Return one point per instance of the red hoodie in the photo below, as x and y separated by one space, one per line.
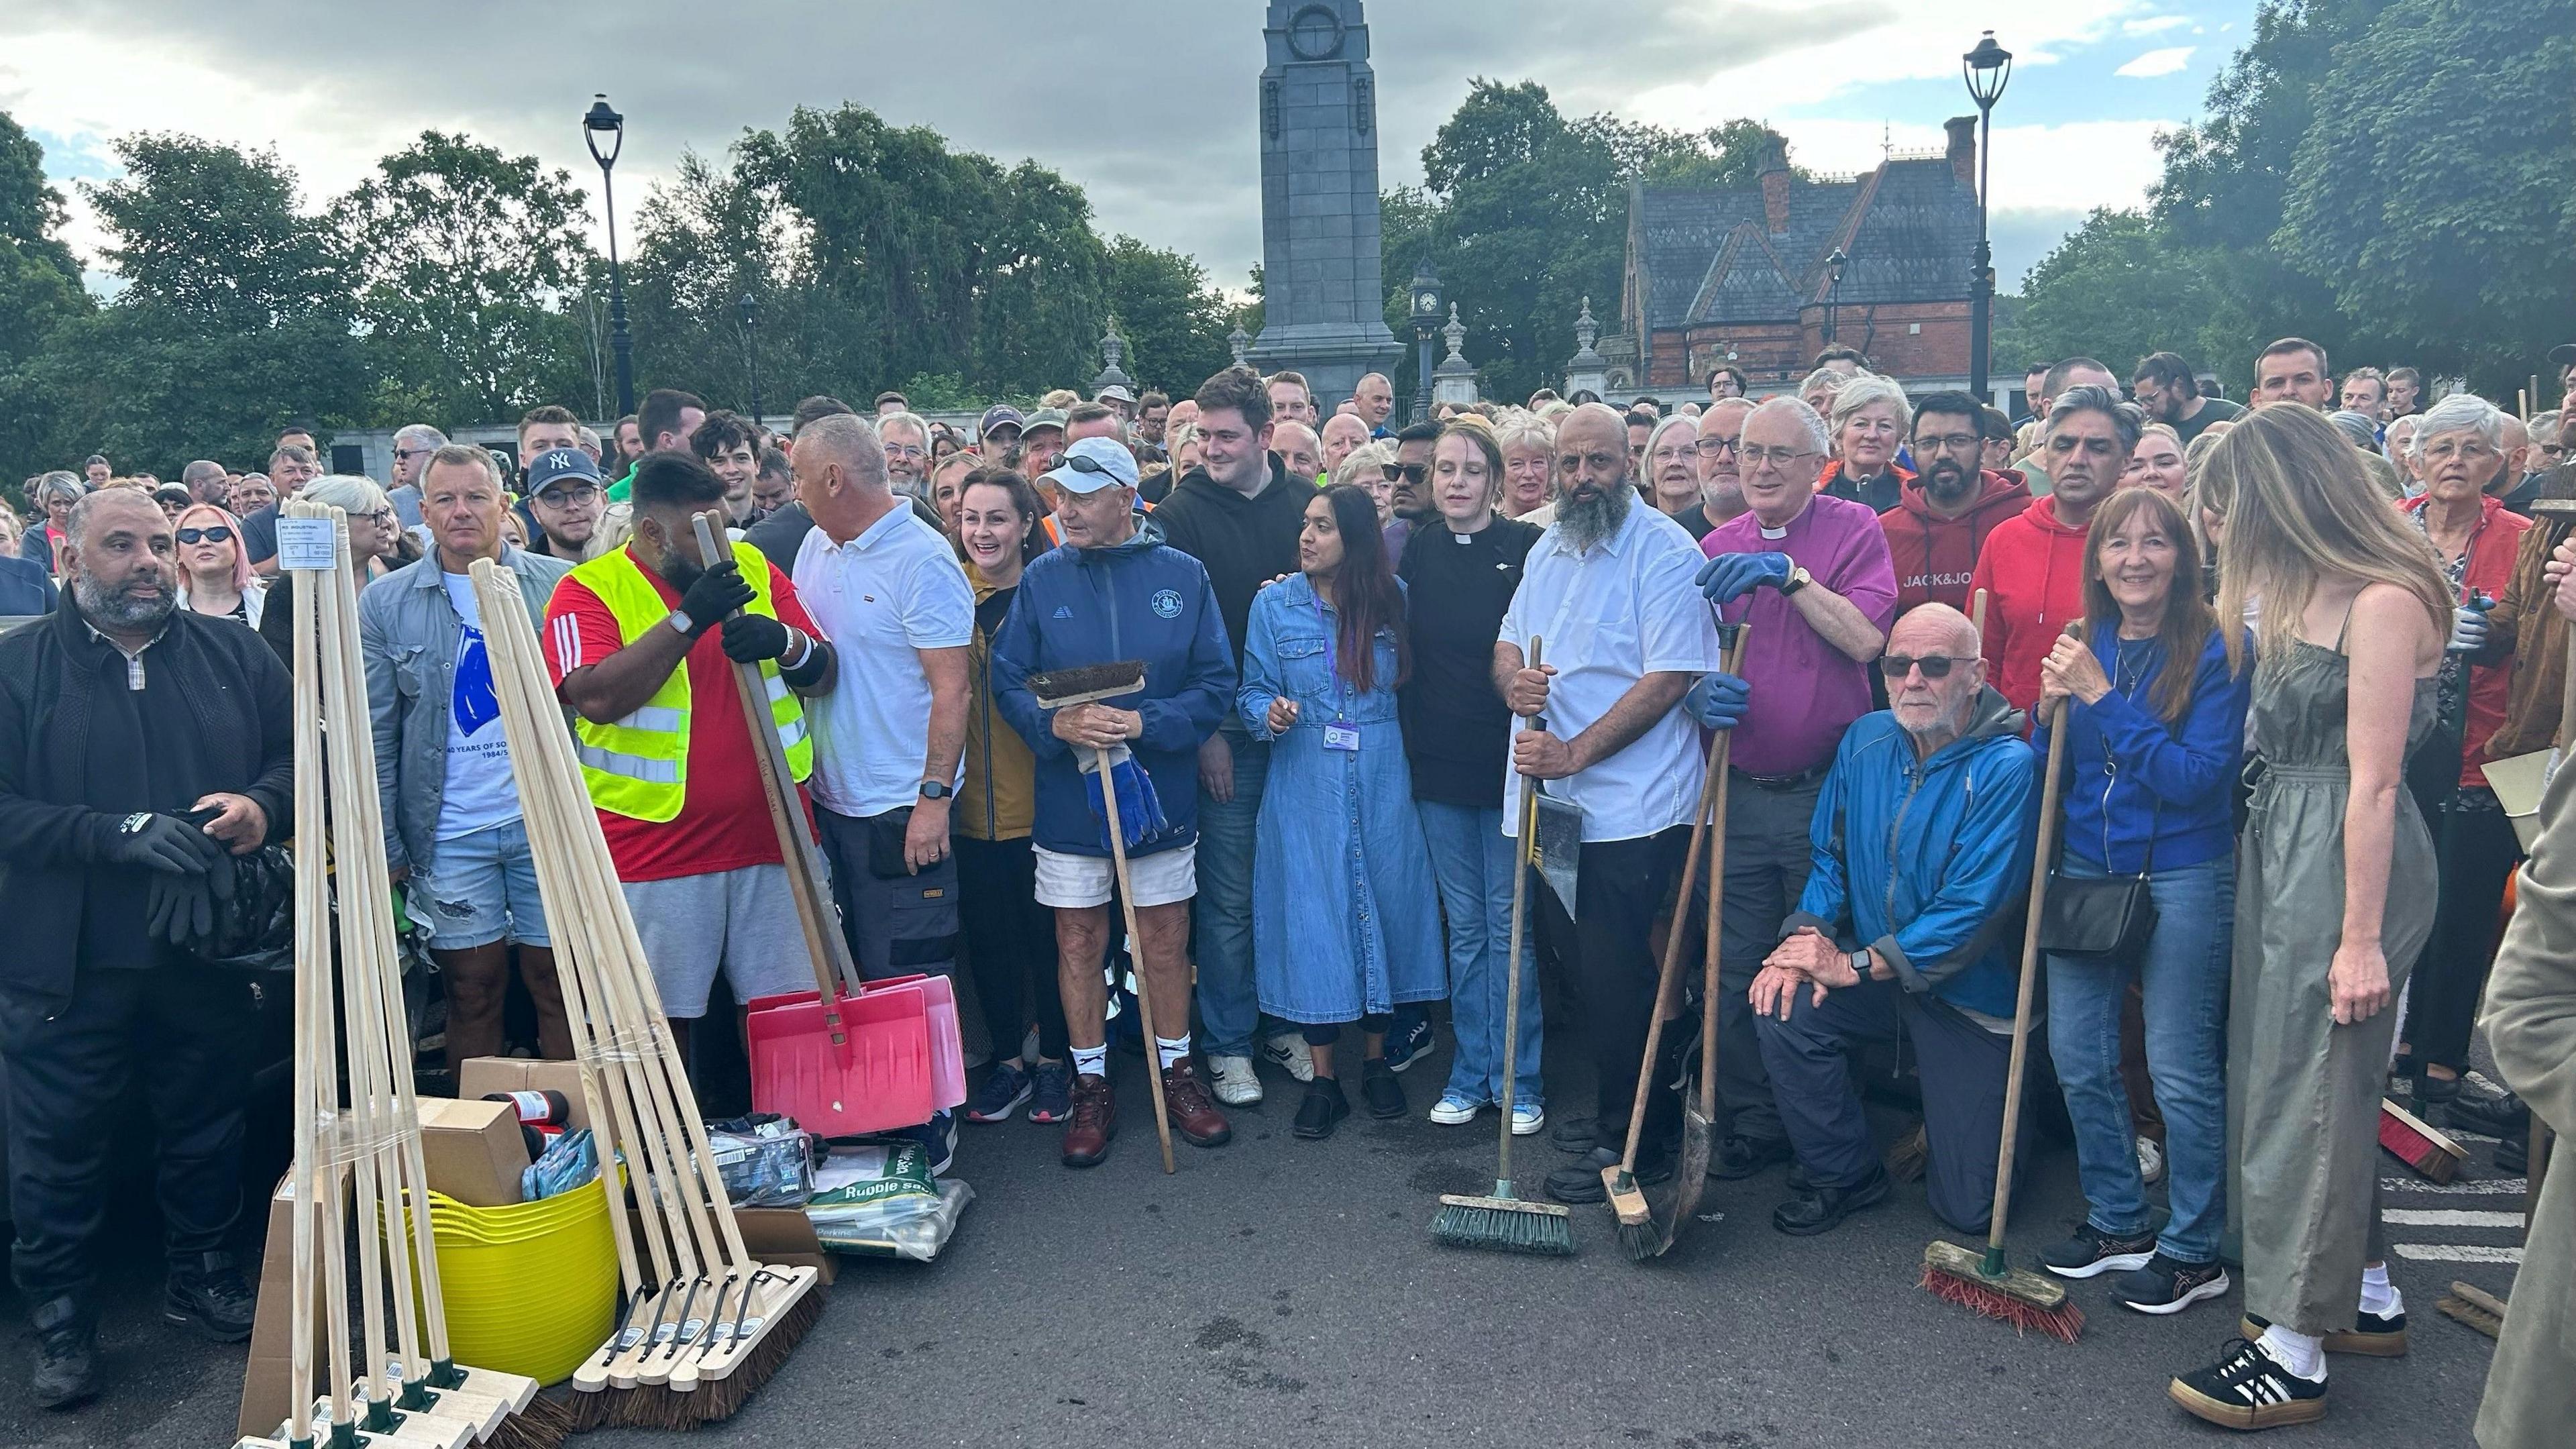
2032 569
1935 555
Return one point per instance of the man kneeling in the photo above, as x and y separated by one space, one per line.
1922 846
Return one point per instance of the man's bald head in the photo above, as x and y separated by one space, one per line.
1929 629
1593 422
1298 448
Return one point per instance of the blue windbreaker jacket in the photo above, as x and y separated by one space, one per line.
1925 863
2130 775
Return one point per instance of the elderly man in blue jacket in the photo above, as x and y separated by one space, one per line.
1922 847
1115 591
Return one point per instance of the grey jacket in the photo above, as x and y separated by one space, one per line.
408 634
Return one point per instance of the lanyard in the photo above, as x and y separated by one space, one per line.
1341 687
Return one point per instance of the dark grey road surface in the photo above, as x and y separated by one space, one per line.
1279 1292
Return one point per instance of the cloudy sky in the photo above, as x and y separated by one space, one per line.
1148 104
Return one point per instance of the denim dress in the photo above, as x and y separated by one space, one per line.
1345 922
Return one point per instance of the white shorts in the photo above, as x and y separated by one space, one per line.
1075 881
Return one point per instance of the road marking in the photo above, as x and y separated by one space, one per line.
2493 1186
2455 1253
2449 1218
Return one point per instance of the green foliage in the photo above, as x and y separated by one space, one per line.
1174 321
40 290
2116 289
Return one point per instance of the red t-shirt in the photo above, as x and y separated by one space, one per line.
723 822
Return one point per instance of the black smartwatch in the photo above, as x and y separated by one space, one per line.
935 790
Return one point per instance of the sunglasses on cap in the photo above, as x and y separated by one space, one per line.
216 534
1081 464
1409 472
1935 666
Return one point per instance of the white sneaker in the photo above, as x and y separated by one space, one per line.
1235 1084
1453 1110
1289 1054
2151 1160
1527 1119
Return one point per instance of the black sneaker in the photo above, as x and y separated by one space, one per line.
1408 1045
1004 1089
1741 1157
2090 1252
210 1296
1322 1110
2169 1285
938 1137
2249 1389
2373 1335
1822 1209
66 1355
1051 1100
1379 1088
1581 1183
2513 1155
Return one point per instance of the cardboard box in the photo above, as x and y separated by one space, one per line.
473 1150
272 1336
478 1076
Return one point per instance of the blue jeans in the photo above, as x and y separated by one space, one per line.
2184 978
1471 862
1229 1007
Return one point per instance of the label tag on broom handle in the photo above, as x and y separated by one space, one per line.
307 543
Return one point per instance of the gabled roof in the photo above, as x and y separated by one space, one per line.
1908 233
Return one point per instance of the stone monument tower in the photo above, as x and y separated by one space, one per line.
1324 301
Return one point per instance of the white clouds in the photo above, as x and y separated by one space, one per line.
2158 62
2154 24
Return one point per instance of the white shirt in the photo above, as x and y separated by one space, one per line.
895 589
1606 619
481 792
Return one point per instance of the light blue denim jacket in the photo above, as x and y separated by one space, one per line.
408 634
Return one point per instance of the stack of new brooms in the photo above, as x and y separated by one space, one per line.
711 1323
361 1158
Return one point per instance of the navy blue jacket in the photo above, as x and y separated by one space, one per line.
2130 774
1138 600
25 587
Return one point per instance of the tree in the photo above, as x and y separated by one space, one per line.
40 290
466 258
2116 289
1174 321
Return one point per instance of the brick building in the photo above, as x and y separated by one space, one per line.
1745 275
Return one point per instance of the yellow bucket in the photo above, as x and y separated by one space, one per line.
531 1288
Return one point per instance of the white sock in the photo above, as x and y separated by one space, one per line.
2300 1353
2378 1296
1171 1051
1091 1061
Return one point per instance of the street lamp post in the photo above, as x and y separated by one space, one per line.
598 122
1986 68
1426 320
751 347
1834 294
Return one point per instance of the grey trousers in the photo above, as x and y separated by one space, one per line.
1767 859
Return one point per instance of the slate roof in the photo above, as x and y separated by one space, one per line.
1908 233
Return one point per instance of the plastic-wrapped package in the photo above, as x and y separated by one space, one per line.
570 1161
880 1200
766 1160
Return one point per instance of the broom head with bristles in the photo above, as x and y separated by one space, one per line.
1064 688
1638 1235
2024 1299
1504 1224
713 1399
2474 1306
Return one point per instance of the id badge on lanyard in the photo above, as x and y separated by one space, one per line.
1339 734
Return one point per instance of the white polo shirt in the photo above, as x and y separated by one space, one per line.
1606 619
894 589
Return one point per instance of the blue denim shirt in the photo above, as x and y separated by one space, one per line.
408 634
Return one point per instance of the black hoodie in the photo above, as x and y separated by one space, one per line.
1242 542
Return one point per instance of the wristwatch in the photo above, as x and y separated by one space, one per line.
1799 578
935 790
679 619
1860 964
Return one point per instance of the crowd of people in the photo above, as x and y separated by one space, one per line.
2274 646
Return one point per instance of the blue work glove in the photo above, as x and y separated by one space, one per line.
1717 700
1140 809
2469 625
1730 576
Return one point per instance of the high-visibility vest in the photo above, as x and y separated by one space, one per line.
639 766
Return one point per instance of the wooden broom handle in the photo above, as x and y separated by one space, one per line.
1711 783
2039 864
1144 986
1718 766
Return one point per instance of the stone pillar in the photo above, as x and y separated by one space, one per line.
1454 380
1585 371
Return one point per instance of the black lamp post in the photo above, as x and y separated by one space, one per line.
1426 320
597 123
751 347
1834 293
1987 68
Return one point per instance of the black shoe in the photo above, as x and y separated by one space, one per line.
211 1297
1581 1183
2373 1335
2513 1154
2091 1252
2249 1389
2434 1093
1572 1134
1379 1088
66 1355
1741 1157
1322 1109
1822 1209
2504 1118
2169 1285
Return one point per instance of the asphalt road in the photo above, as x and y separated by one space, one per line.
1278 1292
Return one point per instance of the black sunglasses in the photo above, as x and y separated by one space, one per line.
216 534
1081 464
1935 666
1409 472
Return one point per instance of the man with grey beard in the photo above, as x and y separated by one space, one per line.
1607 592
142 746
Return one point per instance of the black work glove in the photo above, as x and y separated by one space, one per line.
712 595
178 909
161 843
750 638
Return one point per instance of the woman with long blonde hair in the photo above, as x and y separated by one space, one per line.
2347 649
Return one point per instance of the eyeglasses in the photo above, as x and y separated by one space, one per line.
1412 473
1712 447
409 453
2465 449
567 497
904 450
381 518
1934 666
1776 457
1949 443
1081 464
216 534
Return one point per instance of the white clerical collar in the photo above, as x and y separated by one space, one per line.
1773 532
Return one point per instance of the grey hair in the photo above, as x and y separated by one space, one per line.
355 496
419 435
2391 446
1867 389
1829 381
852 441
1359 461
1523 429
919 424
1677 420
2128 420
466 455
59 483
2544 428
1819 440
2461 410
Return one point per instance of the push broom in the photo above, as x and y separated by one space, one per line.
1699 1119
1988 1284
1504 1221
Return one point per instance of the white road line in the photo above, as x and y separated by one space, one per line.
2456 1253
2484 1187
2449 1218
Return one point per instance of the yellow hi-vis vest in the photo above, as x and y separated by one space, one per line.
639 766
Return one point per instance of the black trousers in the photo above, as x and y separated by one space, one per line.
69 1063
1010 945
1767 861
897 924
2474 849
1611 969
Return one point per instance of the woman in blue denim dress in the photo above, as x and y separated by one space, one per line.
1345 924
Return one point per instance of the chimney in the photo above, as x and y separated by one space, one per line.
1774 174
1963 149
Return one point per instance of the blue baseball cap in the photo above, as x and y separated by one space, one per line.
556 464
1092 464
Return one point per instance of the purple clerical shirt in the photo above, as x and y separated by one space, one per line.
1806 692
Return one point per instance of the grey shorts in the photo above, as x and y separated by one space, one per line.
742 921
